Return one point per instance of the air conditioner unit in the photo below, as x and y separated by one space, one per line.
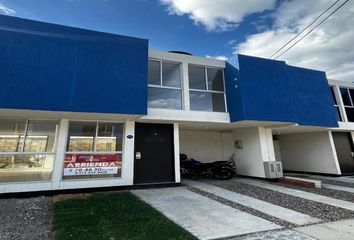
273 169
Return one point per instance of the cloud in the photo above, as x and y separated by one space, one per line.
6 10
220 57
221 15
328 48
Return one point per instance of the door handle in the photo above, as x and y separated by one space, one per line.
138 155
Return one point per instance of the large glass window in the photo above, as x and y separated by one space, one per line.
197 77
27 149
215 79
206 89
154 72
339 116
94 150
348 97
165 88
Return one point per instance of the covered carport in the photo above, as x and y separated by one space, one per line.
249 143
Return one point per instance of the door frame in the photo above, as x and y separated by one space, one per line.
351 143
176 151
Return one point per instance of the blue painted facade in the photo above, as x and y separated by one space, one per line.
233 93
269 90
57 68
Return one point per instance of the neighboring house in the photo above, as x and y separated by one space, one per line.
85 109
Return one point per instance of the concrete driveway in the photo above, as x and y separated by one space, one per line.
203 217
212 210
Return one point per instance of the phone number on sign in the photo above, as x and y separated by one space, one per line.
89 171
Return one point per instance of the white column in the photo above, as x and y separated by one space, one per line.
249 152
255 146
334 152
60 153
176 152
128 153
185 86
266 141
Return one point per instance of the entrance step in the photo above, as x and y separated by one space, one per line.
270 209
202 216
303 182
302 194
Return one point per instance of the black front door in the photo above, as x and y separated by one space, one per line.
154 153
344 148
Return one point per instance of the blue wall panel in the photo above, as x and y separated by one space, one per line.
312 97
273 91
51 67
233 93
265 90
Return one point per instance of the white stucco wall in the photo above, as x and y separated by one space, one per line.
309 152
206 146
256 149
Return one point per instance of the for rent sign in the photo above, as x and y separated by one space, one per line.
88 164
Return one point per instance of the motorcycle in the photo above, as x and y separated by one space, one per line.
222 170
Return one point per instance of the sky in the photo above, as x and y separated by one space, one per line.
213 28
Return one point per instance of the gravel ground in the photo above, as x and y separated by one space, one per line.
312 208
243 208
27 218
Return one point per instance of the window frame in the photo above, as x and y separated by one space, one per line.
350 99
94 151
100 178
161 86
336 103
27 121
46 155
207 85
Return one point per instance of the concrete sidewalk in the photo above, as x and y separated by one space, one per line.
203 217
338 188
343 230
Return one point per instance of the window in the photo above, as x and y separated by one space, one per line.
339 116
197 77
165 88
348 97
206 89
94 150
27 149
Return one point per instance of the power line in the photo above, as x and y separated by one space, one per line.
305 28
312 29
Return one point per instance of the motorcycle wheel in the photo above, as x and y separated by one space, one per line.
223 174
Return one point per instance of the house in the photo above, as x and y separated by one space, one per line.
86 109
